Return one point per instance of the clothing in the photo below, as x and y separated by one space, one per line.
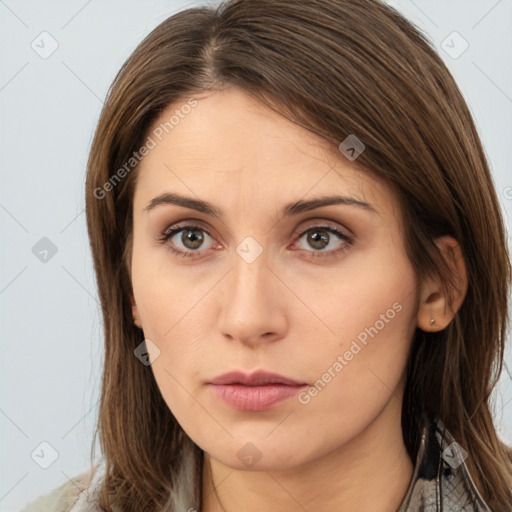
440 482
72 496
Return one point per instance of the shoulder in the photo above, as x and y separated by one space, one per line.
62 498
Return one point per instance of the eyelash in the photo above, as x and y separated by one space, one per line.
349 240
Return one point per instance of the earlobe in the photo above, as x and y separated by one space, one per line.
135 313
435 309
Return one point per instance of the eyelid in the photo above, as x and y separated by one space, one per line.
322 223
186 223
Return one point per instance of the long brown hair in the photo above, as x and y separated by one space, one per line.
335 67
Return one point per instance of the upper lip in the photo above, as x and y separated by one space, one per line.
258 378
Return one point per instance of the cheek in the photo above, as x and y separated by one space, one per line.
369 312
166 294
174 305
369 296
168 307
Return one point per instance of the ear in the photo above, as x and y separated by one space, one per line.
435 311
135 312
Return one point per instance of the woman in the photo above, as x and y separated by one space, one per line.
302 267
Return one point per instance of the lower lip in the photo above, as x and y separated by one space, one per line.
254 398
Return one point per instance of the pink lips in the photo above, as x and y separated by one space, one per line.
255 392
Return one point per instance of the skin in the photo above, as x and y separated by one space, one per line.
287 311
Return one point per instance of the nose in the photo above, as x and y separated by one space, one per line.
253 308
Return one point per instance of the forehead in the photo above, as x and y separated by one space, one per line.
229 145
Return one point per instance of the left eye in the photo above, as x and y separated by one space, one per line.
320 237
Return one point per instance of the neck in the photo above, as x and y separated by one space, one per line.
371 472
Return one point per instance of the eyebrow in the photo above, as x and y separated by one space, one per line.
288 210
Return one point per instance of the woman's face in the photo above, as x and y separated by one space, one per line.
322 295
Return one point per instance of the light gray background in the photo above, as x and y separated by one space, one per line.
51 328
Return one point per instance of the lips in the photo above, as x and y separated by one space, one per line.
258 391
259 378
